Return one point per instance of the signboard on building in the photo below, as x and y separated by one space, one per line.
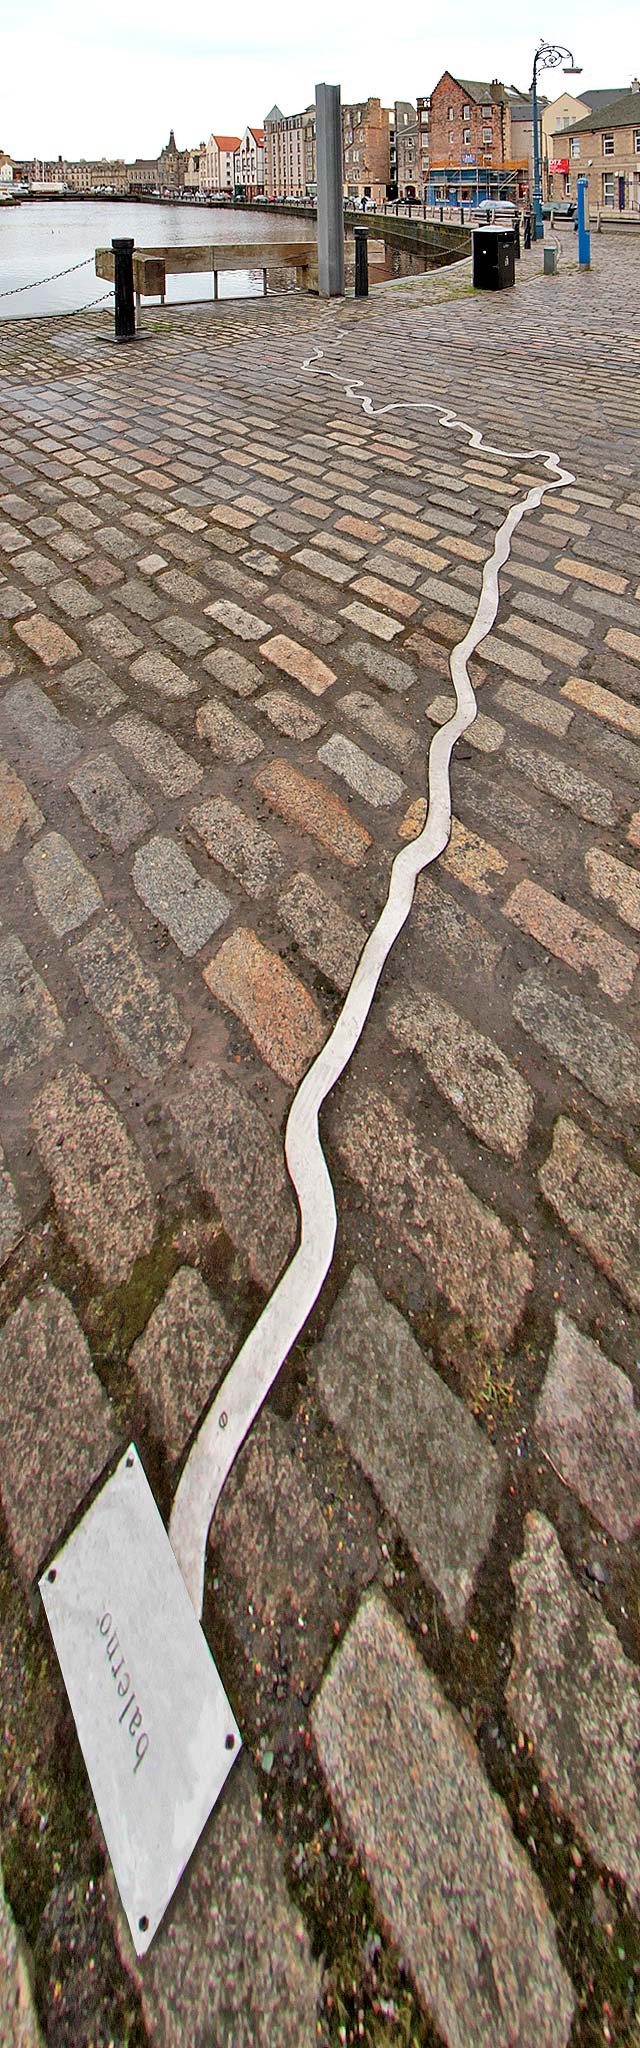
466 159
559 163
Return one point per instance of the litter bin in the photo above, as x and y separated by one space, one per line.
494 258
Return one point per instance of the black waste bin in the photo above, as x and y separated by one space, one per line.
494 258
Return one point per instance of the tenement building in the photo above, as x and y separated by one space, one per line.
366 141
604 148
290 153
470 144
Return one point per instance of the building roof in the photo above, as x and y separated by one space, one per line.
258 135
603 97
226 141
619 113
275 115
478 89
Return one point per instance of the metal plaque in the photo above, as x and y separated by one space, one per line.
155 1726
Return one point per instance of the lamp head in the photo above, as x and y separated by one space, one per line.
572 70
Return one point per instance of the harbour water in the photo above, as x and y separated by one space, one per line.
41 238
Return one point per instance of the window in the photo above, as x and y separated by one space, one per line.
451 135
356 156
487 113
607 145
451 113
348 135
486 159
466 113
608 189
574 146
636 141
361 134
347 155
358 116
487 135
467 136
567 188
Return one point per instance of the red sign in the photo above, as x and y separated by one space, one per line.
559 163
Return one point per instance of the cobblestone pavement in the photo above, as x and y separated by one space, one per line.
227 602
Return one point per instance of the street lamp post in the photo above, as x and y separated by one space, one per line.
547 56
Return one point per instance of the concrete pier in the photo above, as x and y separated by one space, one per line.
329 175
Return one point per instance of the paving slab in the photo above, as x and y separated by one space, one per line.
43 728
144 1020
466 1251
108 799
11 1225
429 1462
232 1964
18 2019
576 1696
238 1160
65 892
471 1071
451 1883
57 1429
325 933
244 848
30 1023
270 1001
587 1421
180 1358
601 1056
177 895
100 1187
18 810
597 1198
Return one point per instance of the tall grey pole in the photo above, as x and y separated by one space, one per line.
329 182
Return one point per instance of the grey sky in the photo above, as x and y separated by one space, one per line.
113 80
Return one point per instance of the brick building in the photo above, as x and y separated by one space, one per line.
366 146
471 154
404 165
605 149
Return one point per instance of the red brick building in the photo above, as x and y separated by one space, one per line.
468 126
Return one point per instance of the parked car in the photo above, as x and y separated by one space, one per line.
562 209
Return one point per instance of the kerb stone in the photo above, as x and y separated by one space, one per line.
451 1883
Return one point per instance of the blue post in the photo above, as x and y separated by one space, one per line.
584 237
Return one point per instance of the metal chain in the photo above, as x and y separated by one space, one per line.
46 280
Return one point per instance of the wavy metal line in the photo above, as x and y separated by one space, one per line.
257 1364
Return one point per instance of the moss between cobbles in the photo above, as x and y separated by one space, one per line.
53 1867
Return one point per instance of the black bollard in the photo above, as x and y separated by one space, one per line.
442 213
125 306
362 264
527 231
516 235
